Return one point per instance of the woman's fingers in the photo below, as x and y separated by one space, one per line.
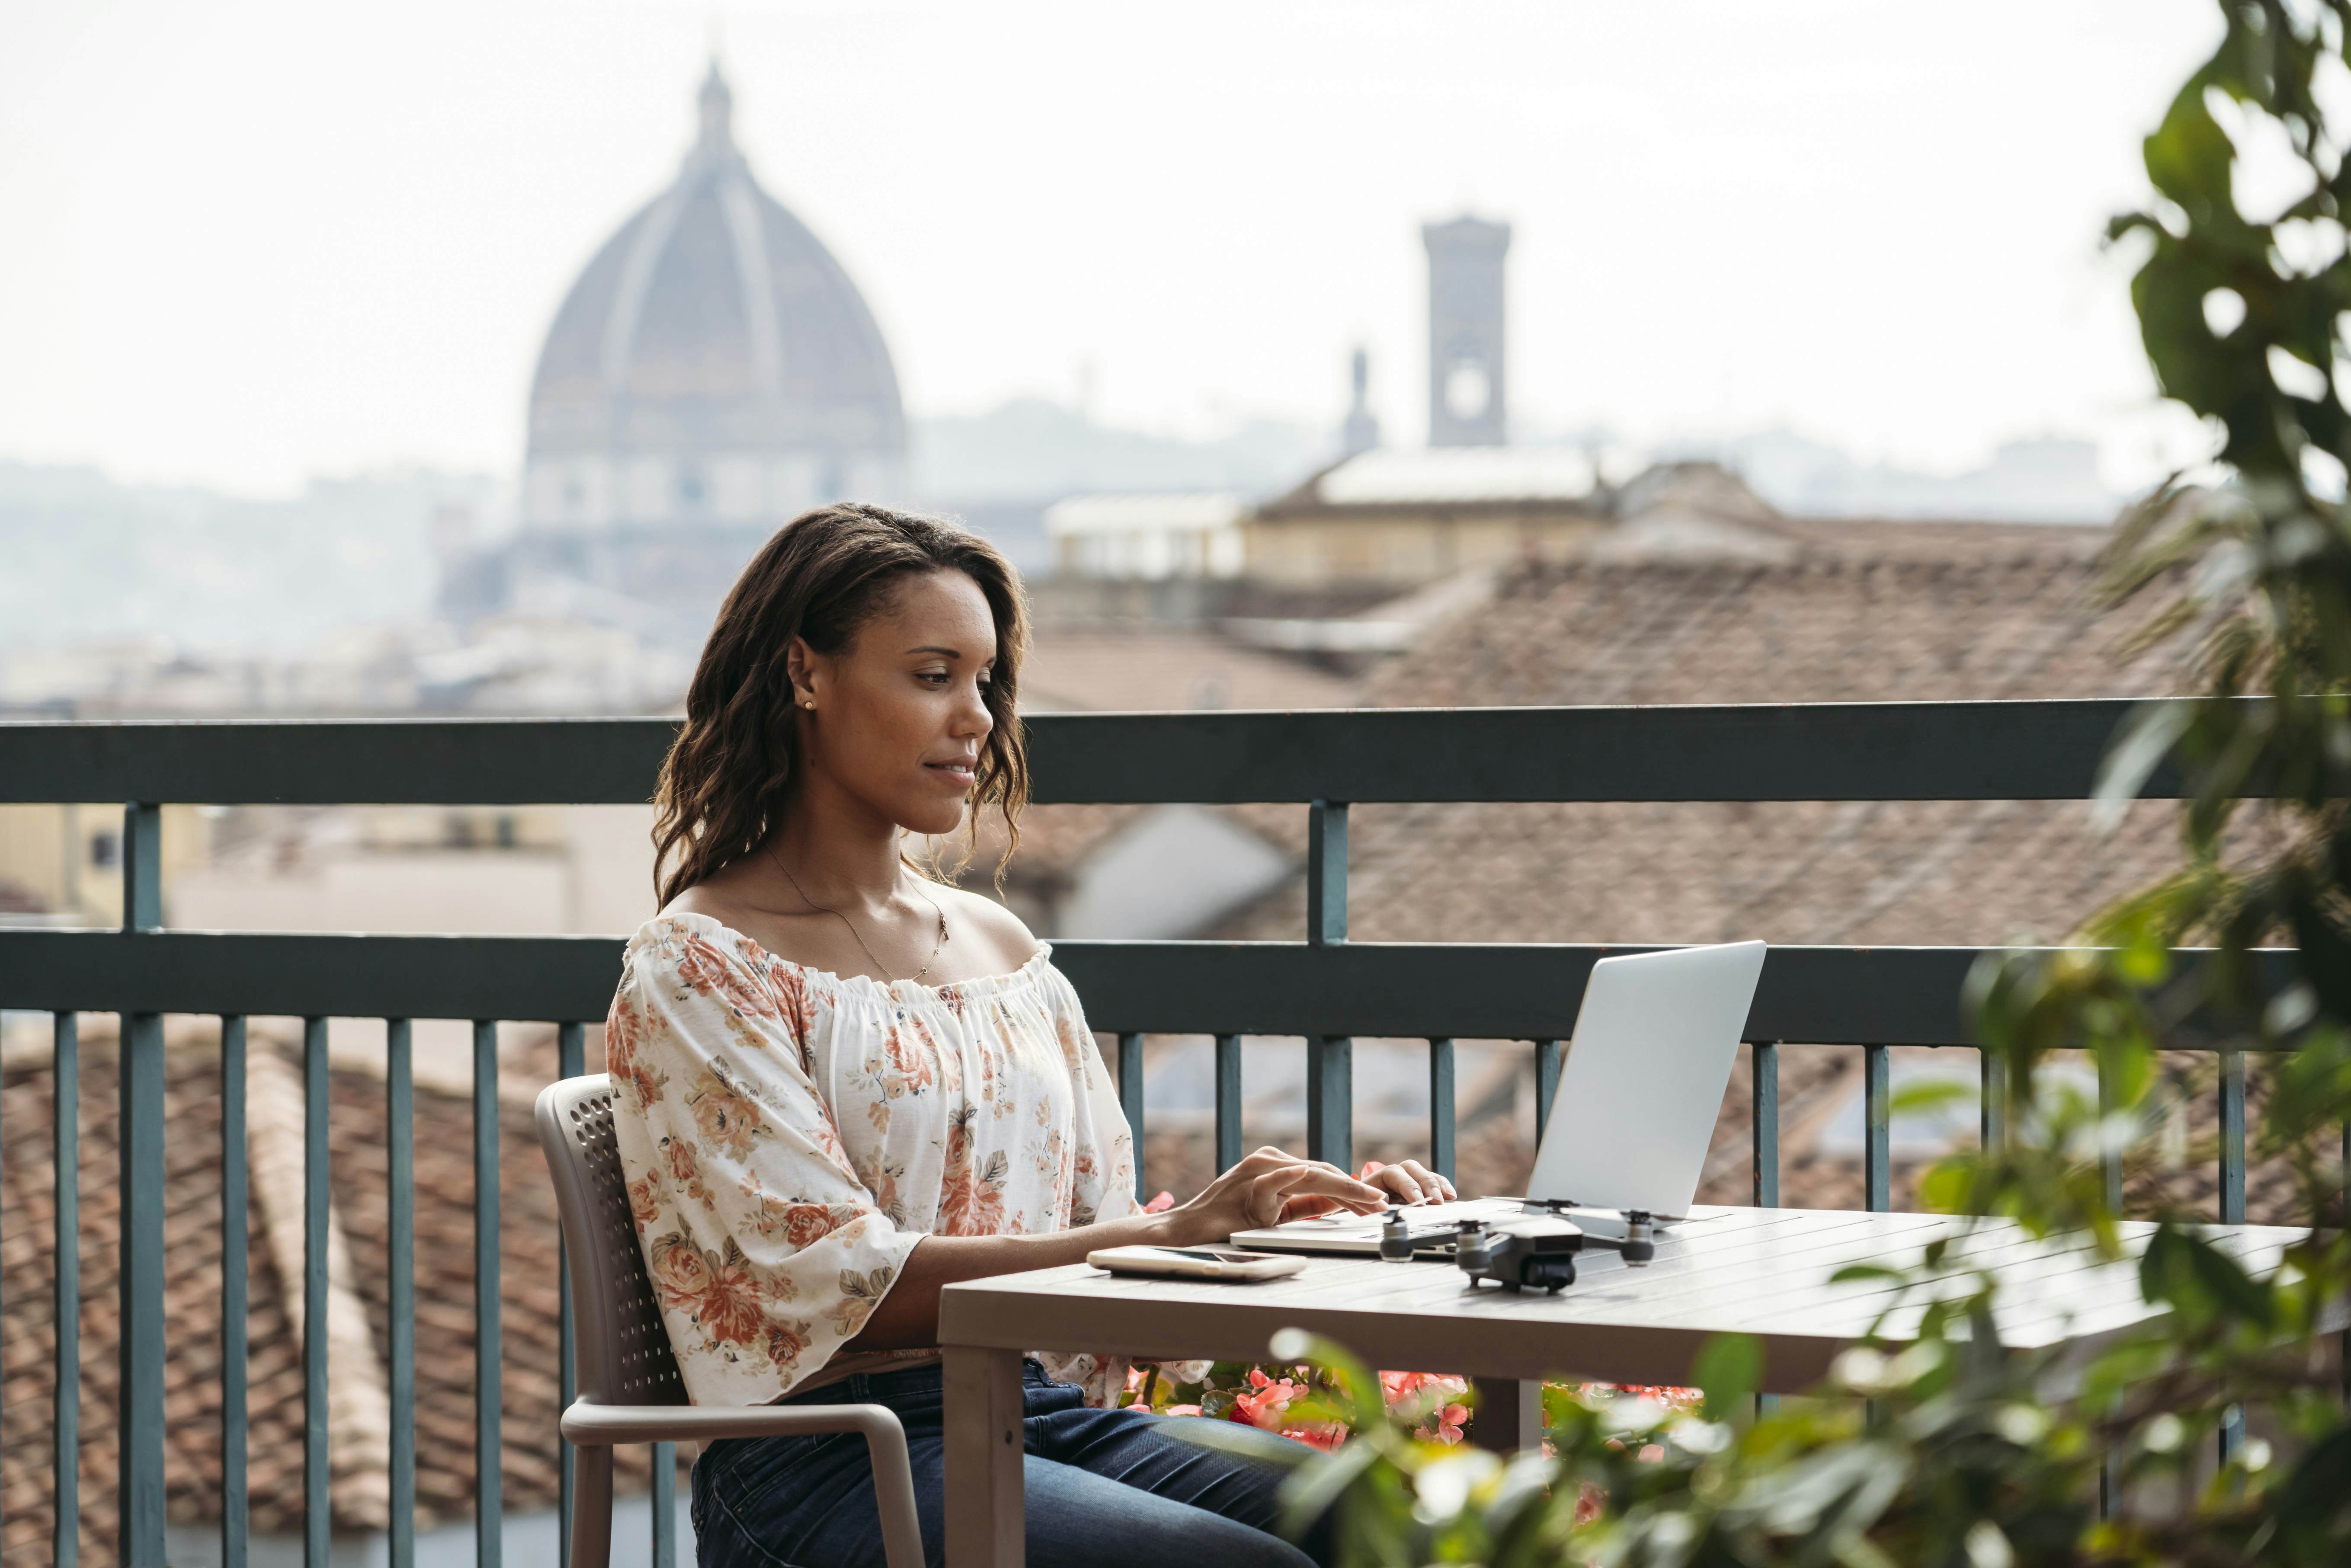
1274 1193
1269 1158
1409 1181
1397 1181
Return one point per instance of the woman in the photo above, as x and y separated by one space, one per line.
841 1085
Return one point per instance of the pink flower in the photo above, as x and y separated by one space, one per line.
1181 1410
1317 1434
1671 1397
1264 1407
1160 1205
1445 1426
1401 1385
1431 1400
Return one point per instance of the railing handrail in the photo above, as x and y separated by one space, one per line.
1482 991
2011 750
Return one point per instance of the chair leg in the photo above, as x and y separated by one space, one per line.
893 1494
591 1508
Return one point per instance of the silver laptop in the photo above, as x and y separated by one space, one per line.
1637 1099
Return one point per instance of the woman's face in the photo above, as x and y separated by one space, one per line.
899 718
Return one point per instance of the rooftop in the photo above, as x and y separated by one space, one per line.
1388 477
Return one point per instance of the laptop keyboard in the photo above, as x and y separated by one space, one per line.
1424 1220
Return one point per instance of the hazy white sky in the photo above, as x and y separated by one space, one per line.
245 241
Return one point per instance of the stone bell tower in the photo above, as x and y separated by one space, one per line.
1466 382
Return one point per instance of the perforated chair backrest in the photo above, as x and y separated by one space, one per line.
624 1351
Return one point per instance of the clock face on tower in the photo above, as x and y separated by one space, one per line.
1467 391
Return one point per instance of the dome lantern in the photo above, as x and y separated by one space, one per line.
717 105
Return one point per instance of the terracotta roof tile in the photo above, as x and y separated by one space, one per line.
1161 670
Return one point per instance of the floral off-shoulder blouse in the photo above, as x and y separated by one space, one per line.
789 1134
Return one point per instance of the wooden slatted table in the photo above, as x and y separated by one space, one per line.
1747 1270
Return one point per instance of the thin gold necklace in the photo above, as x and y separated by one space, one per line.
871 957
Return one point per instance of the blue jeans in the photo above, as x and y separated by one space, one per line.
1103 1487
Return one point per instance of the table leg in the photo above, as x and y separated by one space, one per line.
1510 1415
984 1523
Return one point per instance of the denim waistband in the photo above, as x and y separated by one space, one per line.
882 1387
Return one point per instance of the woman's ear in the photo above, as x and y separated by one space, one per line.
801 662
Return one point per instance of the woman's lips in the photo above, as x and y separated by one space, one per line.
961 772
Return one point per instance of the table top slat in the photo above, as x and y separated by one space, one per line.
1760 1272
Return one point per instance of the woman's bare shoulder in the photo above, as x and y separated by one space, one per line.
988 921
702 898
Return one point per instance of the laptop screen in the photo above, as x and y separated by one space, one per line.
1644 1079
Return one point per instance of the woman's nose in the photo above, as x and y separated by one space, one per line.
972 716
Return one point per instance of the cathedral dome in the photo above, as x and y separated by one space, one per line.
713 363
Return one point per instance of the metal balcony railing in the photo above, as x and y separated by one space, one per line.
1326 989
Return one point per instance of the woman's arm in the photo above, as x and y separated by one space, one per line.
1264 1188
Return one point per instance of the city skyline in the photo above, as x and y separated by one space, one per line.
246 262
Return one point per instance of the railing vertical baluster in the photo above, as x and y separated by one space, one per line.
571 1061
1440 1106
1330 1058
1876 1172
318 1198
1763 1070
400 1267
1331 1100
235 1244
2110 1156
2232 1202
489 1449
664 1501
1326 873
140 1418
1546 1085
1992 1101
64 1112
1228 1101
1130 1100
2232 1138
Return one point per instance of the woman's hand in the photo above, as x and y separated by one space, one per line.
1266 1188
1408 1181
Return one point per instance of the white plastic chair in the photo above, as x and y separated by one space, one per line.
630 1390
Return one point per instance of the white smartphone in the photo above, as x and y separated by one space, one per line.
1230 1263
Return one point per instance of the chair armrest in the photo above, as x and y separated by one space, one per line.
593 1425
599 1425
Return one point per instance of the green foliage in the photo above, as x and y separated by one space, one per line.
1946 1448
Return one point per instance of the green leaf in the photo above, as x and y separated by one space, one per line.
2189 156
1856 1272
2238 1293
1310 1490
2137 749
1932 1094
1728 1370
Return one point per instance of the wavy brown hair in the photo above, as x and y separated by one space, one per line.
731 773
